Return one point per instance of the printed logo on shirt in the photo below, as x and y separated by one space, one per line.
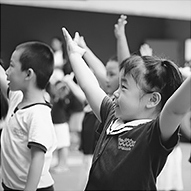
125 144
19 133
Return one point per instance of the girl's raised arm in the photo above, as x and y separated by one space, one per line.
175 109
3 81
84 75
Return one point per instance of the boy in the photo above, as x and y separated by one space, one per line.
28 138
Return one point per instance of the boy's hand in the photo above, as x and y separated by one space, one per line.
119 28
72 46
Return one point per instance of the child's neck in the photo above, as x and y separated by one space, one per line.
151 115
31 97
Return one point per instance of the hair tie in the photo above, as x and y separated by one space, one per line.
164 63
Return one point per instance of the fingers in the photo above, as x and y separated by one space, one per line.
76 37
72 75
121 22
122 19
66 35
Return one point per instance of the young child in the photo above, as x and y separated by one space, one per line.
66 92
140 125
28 138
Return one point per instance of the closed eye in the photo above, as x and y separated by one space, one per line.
11 64
123 87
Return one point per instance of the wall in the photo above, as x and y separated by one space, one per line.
20 23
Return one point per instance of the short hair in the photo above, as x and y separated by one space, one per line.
113 58
39 57
152 74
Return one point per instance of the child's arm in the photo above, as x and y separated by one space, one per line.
186 126
122 45
3 81
175 109
93 61
76 90
35 169
84 75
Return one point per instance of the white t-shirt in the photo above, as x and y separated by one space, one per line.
31 125
58 59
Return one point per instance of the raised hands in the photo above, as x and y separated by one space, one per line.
122 43
84 75
80 40
119 28
72 46
146 50
93 61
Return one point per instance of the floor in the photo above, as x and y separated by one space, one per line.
75 178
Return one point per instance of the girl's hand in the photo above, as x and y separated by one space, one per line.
80 40
72 46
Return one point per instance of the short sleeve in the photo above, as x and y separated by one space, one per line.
41 129
107 109
156 141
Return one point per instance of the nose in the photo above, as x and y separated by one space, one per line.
6 71
116 94
107 78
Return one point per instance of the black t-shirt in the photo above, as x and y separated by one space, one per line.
59 111
64 108
130 160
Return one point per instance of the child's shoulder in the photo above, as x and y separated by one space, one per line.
107 107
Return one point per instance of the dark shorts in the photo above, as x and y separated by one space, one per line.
50 188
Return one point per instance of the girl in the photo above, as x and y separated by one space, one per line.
140 125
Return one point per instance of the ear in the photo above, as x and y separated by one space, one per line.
29 73
154 100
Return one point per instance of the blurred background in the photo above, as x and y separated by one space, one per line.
163 24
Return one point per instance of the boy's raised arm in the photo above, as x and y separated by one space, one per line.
175 109
3 81
84 75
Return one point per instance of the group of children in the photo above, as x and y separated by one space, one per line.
139 119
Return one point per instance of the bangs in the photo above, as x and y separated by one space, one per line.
135 67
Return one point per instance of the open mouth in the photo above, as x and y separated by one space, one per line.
115 104
8 83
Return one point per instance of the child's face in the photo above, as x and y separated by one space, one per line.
56 44
112 81
15 76
129 99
